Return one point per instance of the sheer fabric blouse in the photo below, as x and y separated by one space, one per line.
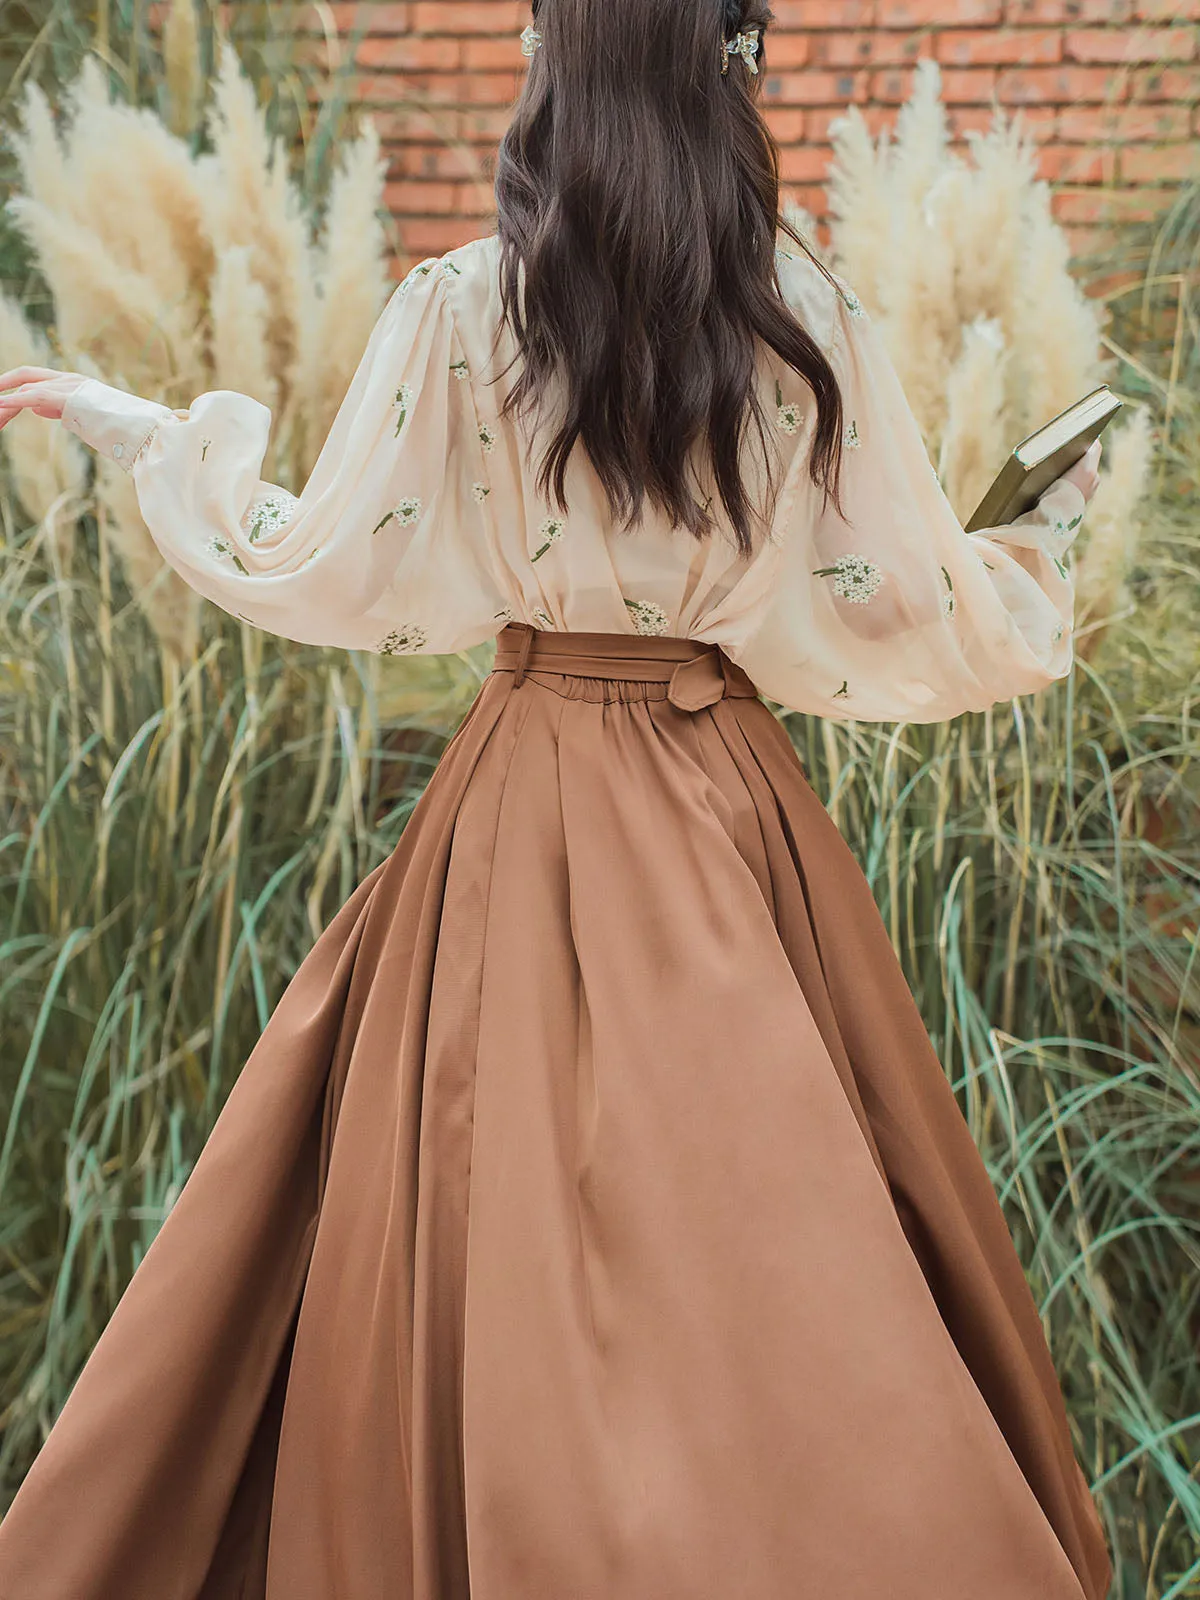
421 529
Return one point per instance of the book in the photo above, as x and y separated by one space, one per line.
1043 457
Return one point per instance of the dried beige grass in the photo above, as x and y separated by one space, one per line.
181 67
41 159
988 219
122 293
967 273
974 436
171 607
1114 530
105 159
49 466
255 204
165 232
173 273
352 285
239 312
919 305
859 203
1058 351
102 308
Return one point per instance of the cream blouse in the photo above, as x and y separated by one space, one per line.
421 529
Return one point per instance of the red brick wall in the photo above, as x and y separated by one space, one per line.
1110 89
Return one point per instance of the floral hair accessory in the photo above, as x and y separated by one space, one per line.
744 45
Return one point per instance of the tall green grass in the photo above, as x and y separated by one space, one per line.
1039 871
171 841
1038 868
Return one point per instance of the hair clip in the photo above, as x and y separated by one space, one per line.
530 39
744 45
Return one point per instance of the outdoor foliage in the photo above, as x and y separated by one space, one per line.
185 802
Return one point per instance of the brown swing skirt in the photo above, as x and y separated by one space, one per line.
593 1221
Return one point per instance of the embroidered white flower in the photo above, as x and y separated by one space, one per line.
423 271
542 617
506 615
788 416
459 369
405 512
486 438
1057 633
1061 530
480 491
221 550
854 578
402 641
550 532
205 445
647 617
948 601
264 516
449 266
404 399
851 301
850 438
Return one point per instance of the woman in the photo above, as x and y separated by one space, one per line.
593 1218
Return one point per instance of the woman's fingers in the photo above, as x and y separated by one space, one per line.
9 380
50 406
41 390
1085 474
39 398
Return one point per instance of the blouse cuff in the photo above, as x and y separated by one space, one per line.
1052 525
116 424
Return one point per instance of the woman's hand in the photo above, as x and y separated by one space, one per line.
1085 474
42 390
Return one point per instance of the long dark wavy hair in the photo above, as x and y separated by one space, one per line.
638 187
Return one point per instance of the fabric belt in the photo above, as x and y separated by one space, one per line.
697 674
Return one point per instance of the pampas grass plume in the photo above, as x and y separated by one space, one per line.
1060 328
41 160
181 65
256 205
238 311
859 203
989 221
968 275
353 285
173 273
975 438
49 466
1113 531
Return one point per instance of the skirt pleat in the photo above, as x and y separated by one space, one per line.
593 1219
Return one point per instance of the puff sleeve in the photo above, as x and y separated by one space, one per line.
891 611
375 551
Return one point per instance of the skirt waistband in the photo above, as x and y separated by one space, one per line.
697 674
